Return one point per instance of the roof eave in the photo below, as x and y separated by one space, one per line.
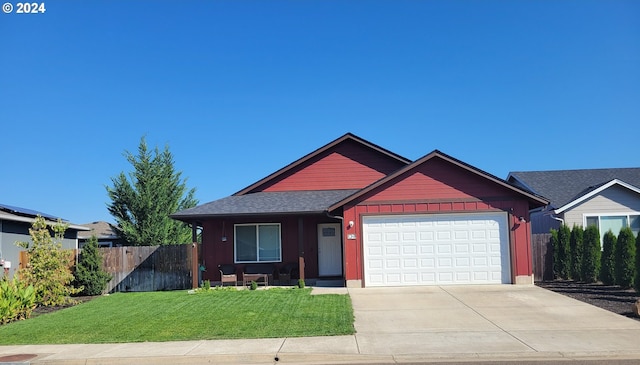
595 192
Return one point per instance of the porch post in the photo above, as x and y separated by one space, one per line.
301 247
195 267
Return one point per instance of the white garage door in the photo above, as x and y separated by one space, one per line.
436 249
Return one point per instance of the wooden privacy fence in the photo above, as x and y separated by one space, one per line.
150 268
542 253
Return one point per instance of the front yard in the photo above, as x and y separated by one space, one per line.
177 316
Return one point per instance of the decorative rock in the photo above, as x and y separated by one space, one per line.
635 308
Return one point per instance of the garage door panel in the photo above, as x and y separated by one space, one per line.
436 249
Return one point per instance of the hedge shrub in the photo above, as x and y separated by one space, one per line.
576 248
608 262
591 255
625 253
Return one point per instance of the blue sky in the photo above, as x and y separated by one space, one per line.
238 89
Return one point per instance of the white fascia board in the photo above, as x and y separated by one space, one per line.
592 193
16 218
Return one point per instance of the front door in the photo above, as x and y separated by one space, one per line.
329 249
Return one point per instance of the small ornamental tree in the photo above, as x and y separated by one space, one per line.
625 258
49 266
591 255
89 274
607 267
575 249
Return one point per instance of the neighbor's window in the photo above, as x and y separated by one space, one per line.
257 243
614 223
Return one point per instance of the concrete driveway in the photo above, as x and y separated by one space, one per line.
487 321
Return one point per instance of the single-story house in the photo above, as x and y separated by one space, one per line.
105 233
14 227
354 211
608 198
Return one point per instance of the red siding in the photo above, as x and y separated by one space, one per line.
519 232
434 187
348 165
216 252
438 179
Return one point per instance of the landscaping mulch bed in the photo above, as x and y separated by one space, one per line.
76 300
609 297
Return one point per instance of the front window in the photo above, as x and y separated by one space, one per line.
257 243
614 223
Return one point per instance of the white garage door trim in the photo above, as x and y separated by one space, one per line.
436 249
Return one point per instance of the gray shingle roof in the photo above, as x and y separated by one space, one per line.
564 186
285 202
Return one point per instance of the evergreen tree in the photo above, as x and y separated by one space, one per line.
637 278
49 266
591 254
89 273
607 267
557 254
625 253
564 253
576 248
142 203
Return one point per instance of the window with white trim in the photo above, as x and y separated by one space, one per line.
614 222
257 243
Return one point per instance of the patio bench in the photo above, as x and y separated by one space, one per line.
258 273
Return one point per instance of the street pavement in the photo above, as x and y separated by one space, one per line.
497 324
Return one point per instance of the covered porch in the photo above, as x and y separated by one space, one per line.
273 230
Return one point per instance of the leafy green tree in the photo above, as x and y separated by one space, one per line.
607 267
575 249
89 274
49 266
625 258
142 202
591 254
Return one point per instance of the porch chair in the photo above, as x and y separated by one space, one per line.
228 274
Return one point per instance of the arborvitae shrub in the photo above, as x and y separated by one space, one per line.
625 258
591 254
576 248
557 266
637 279
564 254
607 269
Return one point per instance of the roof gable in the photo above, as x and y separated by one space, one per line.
348 162
407 172
595 191
562 187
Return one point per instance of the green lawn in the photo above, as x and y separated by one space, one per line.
177 315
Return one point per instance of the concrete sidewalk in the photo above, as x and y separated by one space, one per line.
403 325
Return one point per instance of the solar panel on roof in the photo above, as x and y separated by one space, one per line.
28 212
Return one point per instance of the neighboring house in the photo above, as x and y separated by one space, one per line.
105 232
356 212
608 198
14 227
